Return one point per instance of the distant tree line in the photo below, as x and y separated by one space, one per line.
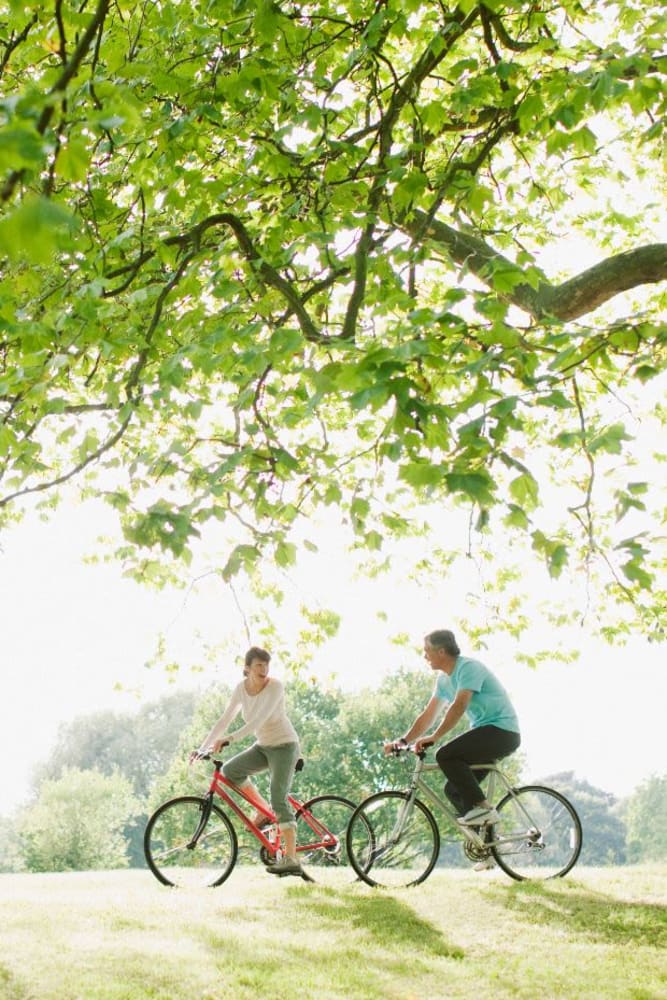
107 771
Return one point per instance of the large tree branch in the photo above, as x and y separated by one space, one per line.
451 31
569 300
582 294
192 239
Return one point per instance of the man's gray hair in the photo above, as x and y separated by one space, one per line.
442 638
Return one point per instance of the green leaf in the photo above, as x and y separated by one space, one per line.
516 518
635 572
525 490
477 485
20 148
553 551
35 230
629 499
73 162
285 554
609 440
409 188
243 556
420 474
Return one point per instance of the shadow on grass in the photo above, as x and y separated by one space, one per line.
339 945
387 920
595 915
10 987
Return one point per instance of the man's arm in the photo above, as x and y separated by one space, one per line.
423 721
451 717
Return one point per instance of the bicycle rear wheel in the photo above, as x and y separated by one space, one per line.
321 827
392 840
173 856
538 836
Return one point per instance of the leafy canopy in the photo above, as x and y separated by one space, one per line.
260 258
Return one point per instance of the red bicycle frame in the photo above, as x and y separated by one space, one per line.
220 784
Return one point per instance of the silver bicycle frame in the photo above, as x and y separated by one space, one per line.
498 783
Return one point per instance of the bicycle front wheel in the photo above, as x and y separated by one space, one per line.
538 836
174 853
392 840
321 828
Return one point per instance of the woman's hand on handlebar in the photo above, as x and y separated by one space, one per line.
423 744
204 754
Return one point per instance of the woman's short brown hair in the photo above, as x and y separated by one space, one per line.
257 653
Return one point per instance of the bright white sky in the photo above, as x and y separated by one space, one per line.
71 632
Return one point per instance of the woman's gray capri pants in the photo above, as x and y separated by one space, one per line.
280 762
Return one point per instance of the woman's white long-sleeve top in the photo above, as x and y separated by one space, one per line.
263 714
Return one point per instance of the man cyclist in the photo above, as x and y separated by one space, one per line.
464 686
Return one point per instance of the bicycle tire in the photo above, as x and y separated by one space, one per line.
378 858
170 830
330 862
541 834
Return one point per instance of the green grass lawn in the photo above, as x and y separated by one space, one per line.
122 936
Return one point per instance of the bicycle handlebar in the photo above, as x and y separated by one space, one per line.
396 750
196 755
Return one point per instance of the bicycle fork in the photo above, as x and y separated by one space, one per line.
203 820
402 820
404 814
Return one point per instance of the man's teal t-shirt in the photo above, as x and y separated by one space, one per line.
489 705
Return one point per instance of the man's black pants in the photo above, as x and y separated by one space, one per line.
477 746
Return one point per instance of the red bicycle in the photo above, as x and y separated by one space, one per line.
191 842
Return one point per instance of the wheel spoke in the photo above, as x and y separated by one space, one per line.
321 829
392 841
173 856
538 836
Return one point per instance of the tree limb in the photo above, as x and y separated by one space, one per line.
582 294
569 300
15 41
192 238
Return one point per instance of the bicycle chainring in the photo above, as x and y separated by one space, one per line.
474 853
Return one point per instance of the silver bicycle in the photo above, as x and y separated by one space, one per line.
394 840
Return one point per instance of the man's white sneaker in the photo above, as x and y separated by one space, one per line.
479 816
484 865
